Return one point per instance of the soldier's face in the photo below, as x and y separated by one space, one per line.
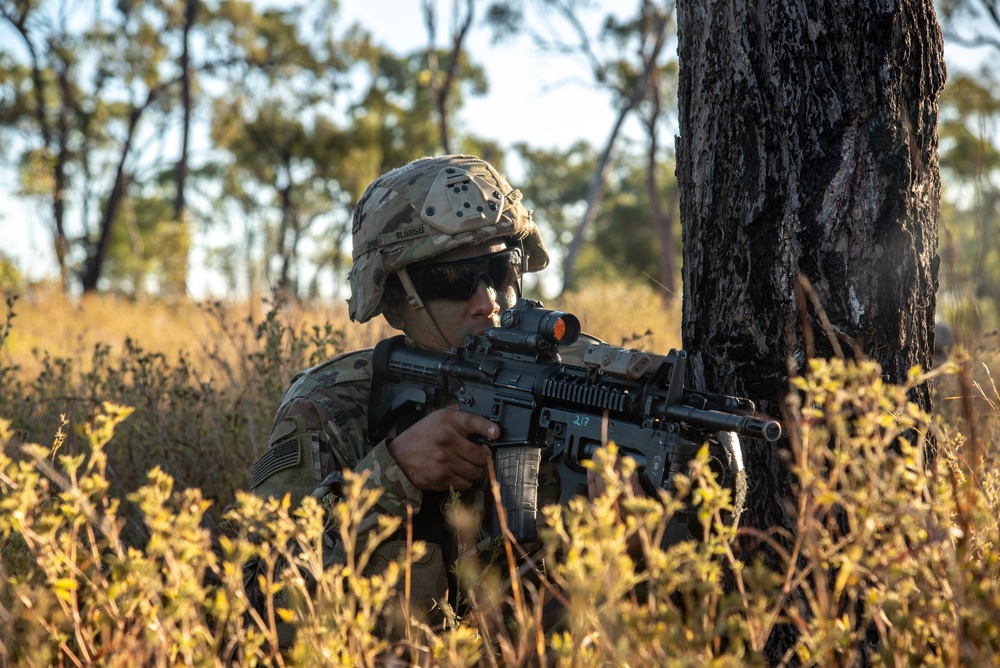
458 318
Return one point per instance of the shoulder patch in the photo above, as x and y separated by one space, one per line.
286 453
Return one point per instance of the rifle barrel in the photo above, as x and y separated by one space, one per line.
768 430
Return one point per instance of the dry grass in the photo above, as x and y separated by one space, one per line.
69 328
627 316
104 563
892 561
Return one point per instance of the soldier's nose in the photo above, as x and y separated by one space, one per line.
484 299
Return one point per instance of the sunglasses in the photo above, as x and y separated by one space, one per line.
459 279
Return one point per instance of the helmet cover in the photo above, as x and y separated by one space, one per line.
428 207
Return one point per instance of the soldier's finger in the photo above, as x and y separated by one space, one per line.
466 473
476 454
476 425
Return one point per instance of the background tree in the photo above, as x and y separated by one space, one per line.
309 118
807 150
149 248
621 244
444 70
395 110
971 23
624 58
970 134
279 148
90 94
970 245
663 205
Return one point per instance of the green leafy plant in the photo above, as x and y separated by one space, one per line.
893 559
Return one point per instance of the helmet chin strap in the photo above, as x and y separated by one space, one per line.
413 299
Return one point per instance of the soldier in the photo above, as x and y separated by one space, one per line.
439 248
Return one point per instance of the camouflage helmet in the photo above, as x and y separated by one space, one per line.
428 207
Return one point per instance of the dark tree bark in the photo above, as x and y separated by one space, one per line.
807 148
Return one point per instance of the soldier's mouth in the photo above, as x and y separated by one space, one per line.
480 329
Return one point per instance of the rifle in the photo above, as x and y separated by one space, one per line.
514 376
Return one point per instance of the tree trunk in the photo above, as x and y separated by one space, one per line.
594 195
443 87
181 170
98 251
57 145
662 221
808 147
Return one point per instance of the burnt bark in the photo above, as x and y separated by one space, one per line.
807 148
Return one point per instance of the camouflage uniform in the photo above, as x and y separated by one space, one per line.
408 215
321 429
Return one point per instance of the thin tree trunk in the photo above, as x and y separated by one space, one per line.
60 243
60 180
662 221
597 185
181 171
286 249
665 222
443 89
594 195
95 261
807 148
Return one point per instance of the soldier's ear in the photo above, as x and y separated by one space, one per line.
393 314
393 309
393 298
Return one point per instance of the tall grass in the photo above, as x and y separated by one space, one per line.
206 379
116 549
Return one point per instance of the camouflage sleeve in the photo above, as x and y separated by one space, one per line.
318 433
316 437
385 474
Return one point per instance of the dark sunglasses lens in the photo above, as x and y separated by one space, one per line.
452 282
504 270
458 280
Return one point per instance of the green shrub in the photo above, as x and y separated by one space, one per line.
887 546
116 548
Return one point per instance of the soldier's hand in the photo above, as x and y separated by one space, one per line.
436 453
